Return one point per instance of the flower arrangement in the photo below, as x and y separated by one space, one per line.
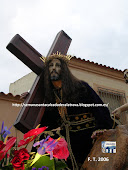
49 155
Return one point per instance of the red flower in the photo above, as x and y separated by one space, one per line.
25 142
17 163
31 135
2 155
19 157
10 143
34 132
61 150
23 153
7 146
2 145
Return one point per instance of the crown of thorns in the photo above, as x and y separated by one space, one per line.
57 55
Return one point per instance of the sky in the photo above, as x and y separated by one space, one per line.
98 28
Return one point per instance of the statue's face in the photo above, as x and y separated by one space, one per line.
126 75
55 69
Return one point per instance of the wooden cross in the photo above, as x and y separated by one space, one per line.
29 117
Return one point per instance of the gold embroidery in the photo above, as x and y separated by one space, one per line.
77 118
70 128
68 118
85 116
87 125
78 127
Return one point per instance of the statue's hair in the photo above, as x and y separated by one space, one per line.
70 84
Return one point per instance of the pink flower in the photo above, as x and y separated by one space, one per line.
61 150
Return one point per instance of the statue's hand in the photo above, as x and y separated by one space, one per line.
24 95
117 113
98 133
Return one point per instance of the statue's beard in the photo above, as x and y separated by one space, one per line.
55 76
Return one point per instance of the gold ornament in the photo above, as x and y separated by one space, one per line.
77 118
85 116
57 55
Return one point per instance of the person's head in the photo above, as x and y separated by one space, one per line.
55 69
126 75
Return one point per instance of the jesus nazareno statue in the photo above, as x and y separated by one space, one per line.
77 123
56 84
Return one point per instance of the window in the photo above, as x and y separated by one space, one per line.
115 100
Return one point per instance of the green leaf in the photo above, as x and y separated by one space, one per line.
45 161
5 159
8 167
59 165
